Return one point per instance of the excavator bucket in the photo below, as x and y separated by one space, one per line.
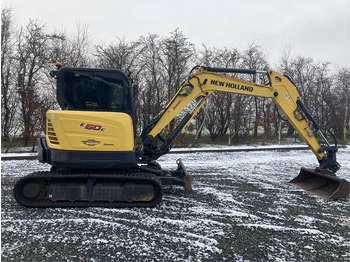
327 186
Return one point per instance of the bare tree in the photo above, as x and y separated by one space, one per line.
152 94
121 55
323 100
239 125
176 53
302 71
316 89
74 49
8 94
255 58
221 106
343 81
218 115
34 49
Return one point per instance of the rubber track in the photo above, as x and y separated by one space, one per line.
47 176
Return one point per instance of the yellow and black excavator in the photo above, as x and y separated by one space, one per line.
90 143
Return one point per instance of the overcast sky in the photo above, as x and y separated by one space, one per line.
312 28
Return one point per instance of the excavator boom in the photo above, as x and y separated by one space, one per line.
207 80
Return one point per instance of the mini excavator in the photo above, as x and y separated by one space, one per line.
90 143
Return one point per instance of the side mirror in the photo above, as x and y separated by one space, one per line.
54 73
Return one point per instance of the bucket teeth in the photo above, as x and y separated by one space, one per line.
325 185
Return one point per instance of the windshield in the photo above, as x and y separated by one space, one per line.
96 90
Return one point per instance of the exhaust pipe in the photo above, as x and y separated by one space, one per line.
325 185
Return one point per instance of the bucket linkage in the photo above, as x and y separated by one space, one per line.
321 181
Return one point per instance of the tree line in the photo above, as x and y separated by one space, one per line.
159 65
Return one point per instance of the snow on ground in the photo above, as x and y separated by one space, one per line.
210 148
17 154
242 210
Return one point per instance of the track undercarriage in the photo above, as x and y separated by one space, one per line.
141 188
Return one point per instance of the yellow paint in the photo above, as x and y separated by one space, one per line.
204 83
89 131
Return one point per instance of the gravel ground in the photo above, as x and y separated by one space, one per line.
242 210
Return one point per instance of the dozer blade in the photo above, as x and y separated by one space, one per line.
327 186
187 177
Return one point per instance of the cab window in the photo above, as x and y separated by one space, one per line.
98 91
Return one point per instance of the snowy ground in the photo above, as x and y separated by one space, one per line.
242 210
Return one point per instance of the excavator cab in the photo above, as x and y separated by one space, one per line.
96 126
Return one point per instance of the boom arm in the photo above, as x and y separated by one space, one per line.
207 80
